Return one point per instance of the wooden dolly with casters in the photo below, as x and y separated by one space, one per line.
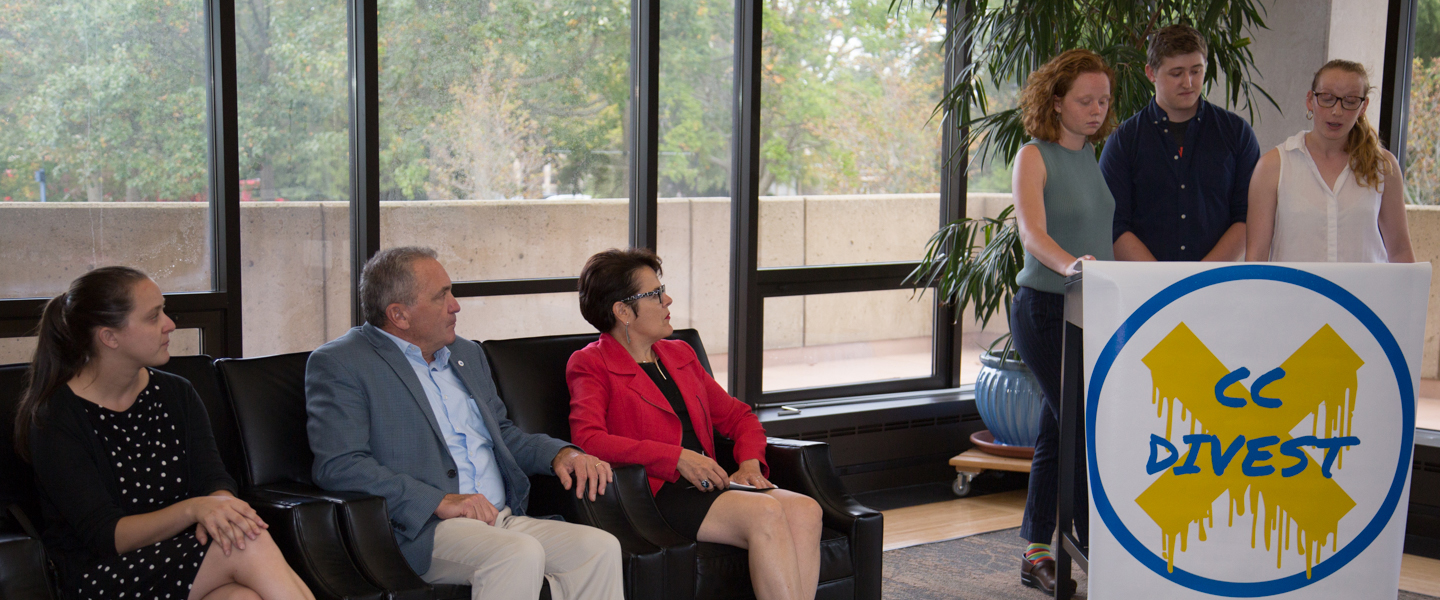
972 462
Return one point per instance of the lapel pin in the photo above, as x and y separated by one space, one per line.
460 362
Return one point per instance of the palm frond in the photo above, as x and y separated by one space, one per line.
1002 41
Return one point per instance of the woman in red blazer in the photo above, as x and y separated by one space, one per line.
636 397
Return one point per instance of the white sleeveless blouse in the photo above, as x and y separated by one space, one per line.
1314 223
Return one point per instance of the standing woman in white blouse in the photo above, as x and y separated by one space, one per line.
1331 194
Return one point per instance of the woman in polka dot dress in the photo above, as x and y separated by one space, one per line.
136 501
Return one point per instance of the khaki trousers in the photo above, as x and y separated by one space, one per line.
510 559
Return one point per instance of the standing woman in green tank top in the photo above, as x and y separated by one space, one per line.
1064 210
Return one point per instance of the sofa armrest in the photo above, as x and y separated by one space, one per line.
307 532
658 562
548 498
804 467
23 568
365 526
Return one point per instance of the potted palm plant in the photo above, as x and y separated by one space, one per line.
973 263
996 43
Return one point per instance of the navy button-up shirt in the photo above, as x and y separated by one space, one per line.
1179 203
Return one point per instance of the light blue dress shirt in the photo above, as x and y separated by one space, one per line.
464 429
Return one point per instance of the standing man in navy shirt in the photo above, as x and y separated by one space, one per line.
1180 168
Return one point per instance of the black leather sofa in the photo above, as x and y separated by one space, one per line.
530 375
341 543
305 528
24 570
347 547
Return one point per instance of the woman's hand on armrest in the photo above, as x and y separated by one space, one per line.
698 468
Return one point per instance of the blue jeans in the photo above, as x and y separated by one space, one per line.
1037 322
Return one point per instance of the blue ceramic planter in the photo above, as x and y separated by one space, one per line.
1009 400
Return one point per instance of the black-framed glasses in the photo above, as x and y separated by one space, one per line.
1329 100
656 293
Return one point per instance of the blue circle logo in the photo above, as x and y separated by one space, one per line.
1199 281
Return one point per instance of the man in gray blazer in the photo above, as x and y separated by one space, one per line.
403 408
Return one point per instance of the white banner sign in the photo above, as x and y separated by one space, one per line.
1250 427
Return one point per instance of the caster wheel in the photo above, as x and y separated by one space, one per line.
961 486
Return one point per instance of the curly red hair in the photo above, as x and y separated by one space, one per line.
1053 80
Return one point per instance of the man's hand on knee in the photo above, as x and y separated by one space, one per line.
467 506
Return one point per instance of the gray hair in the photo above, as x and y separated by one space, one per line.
388 279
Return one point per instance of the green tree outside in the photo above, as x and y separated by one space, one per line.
108 96
478 100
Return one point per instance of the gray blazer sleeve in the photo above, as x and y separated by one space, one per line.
534 452
339 428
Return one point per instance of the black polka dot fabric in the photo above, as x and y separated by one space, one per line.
147 453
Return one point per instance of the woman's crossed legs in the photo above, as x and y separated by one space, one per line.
259 572
781 529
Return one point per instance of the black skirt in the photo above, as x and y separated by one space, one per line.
684 507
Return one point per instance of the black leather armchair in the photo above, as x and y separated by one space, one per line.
530 375
339 542
24 570
307 528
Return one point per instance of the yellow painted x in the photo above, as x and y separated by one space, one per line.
1324 370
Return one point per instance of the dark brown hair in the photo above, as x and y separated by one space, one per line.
1053 80
609 277
103 297
1175 40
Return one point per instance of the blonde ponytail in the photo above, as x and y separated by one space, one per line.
1367 162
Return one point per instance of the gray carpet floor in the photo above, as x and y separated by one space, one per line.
980 567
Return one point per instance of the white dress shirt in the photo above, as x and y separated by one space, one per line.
1314 223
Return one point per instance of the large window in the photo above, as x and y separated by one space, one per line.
520 315
294 160
103 143
849 158
250 168
837 339
503 129
850 177
183 342
1422 147
1422 161
697 82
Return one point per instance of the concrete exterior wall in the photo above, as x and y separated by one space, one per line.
1301 37
1424 223
44 246
296 268
296 274
1357 32
1286 56
295 264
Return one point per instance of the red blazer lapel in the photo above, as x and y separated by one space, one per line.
680 361
622 365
